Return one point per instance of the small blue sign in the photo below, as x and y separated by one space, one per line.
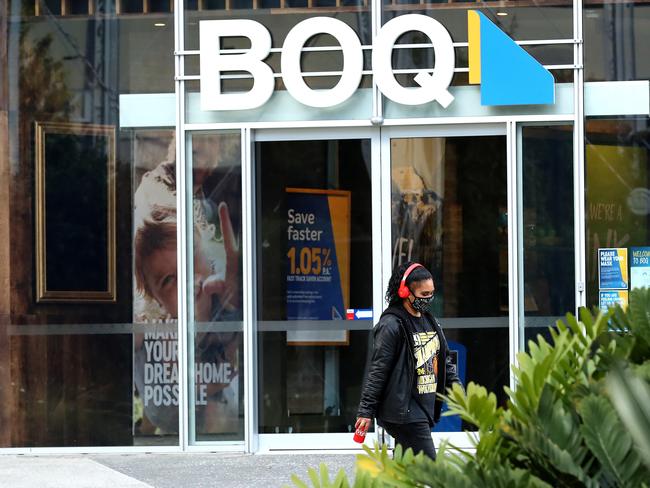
459 357
639 267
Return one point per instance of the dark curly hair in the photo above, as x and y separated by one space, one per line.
418 274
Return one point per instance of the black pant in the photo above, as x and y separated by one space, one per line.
416 435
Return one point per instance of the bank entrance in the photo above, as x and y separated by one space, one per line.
335 209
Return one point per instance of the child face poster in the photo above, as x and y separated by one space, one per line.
216 338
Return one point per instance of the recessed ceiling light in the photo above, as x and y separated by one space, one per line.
160 24
502 14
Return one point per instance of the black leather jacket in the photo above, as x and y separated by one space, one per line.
390 377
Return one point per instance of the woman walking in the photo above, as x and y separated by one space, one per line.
410 363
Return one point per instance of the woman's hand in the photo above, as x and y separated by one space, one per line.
363 423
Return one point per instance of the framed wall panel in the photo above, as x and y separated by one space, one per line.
75 212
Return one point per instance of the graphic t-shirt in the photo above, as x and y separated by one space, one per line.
427 352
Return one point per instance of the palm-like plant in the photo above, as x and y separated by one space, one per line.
580 416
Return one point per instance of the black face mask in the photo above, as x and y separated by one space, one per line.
421 304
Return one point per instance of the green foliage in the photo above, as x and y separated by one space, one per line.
634 325
631 397
579 416
612 446
477 406
322 479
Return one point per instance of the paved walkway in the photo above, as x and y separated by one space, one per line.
163 470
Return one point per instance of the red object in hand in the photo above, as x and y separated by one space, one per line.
359 435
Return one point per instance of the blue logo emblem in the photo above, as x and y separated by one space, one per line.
508 75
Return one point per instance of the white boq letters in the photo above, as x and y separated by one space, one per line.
352 62
214 62
432 87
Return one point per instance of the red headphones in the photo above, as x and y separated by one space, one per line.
403 290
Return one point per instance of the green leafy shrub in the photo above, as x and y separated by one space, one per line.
580 416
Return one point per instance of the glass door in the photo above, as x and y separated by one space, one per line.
317 283
449 210
214 287
547 227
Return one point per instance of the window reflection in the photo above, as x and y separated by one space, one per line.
314 262
217 286
73 360
616 33
617 187
548 232
449 213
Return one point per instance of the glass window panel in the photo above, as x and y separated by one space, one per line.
159 5
52 7
87 342
215 283
449 212
279 23
241 4
617 193
132 6
146 63
314 262
155 310
107 6
548 227
77 7
616 33
520 20
214 4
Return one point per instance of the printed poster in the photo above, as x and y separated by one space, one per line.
611 298
318 261
218 344
612 269
639 267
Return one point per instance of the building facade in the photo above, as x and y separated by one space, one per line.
201 202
